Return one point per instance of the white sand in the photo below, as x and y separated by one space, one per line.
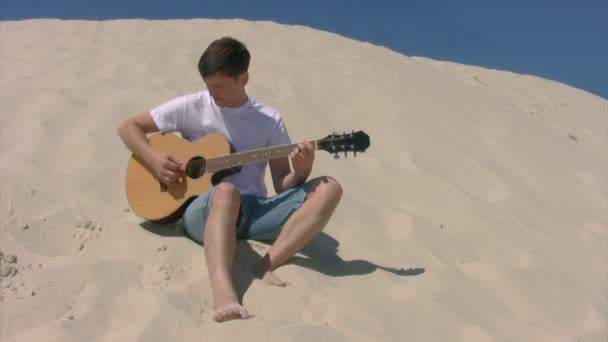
478 213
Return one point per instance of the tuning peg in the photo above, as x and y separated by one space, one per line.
336 156
355 154
345 155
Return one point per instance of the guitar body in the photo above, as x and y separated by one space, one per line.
206 162
160 203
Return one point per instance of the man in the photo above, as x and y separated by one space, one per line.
238 206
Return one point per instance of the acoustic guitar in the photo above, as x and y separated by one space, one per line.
207 160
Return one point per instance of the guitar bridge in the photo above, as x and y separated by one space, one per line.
163 187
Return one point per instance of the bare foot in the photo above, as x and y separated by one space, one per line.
229 312
271 279
263 271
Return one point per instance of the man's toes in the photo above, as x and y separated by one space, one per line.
243 313
271 279
230 312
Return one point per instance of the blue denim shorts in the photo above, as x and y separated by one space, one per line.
261 218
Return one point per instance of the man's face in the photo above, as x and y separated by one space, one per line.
227 91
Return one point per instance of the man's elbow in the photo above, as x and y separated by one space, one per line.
120 128
279 185
278 188
123 128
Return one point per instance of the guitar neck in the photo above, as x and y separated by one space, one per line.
247 157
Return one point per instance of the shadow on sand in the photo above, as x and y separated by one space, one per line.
320 255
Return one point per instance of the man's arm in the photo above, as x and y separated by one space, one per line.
133 133
283 178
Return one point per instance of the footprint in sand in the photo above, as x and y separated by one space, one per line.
162 276
83 233
11 280
474 80
535 109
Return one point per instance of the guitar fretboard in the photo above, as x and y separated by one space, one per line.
242 158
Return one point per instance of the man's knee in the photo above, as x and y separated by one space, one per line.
327 187
226 195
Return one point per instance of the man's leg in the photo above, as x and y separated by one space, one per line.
220 244
303 226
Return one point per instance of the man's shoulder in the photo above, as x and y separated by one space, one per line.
265 110
195 96
196 101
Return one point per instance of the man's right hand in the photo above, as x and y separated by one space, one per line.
167 168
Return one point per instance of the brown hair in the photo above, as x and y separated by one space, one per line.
225 55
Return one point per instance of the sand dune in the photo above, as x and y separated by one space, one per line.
477 214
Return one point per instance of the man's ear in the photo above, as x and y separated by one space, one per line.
244 78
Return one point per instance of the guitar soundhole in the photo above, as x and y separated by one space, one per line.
196 167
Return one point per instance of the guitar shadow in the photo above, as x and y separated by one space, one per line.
165 230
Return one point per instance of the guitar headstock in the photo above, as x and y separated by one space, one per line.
345 142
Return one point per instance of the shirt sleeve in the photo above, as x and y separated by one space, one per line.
279 135
169 116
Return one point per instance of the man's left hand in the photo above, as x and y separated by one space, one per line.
302 158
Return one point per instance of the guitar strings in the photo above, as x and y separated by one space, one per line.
271 152
278 151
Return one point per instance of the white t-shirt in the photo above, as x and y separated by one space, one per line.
249 127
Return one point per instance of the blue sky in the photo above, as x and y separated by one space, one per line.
566 41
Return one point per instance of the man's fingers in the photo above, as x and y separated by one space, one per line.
170 175
305 148
302 151
174 162
171 163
